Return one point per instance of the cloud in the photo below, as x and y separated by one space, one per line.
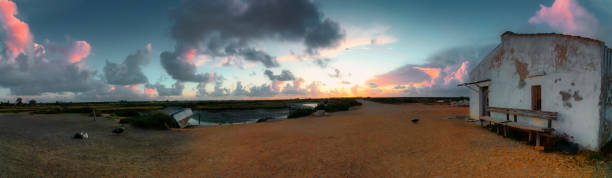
34 69
180 68
103 92
336 74
438 76
17 33
128 72
372 85
567 16
240 90
399 87
175 90
326 34
322 62
284 76
228 28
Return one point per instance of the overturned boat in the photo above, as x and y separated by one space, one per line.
182 116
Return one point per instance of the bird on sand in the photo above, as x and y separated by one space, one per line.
119 130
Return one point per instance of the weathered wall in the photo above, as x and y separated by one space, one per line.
479 73
605 129
569 71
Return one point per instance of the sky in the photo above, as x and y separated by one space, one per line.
110 50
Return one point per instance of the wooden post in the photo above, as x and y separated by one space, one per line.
530 135
199 114
505 131
537 139
94 114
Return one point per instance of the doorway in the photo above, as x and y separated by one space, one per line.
484 101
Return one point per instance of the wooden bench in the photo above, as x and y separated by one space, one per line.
550 116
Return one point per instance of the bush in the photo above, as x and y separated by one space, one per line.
338 105
127 113
157 120
300 112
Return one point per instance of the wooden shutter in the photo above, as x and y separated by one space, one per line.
536 97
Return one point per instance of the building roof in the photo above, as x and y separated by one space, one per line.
553 34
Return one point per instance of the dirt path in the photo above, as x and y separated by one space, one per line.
376 140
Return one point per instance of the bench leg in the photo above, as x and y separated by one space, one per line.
505 131
530 135
537 139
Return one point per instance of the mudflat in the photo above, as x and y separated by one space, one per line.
374 140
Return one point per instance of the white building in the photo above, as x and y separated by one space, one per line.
556 85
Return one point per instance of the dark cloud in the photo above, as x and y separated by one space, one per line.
129 71
175 90
284 76
181 69
326 34
52 71
322 62
221 28
250 54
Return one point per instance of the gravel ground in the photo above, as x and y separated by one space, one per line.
374 140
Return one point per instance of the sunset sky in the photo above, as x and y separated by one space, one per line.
109 50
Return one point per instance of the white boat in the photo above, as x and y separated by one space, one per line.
182 117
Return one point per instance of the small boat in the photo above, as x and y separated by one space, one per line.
182 117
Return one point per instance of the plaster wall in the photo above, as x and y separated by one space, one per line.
569 72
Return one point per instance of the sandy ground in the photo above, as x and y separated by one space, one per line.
375 140
42 145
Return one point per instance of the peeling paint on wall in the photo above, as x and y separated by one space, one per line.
577 96
498 58
521 69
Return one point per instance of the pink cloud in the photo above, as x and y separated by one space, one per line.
568 17
18 35
189 55
79 51
150 92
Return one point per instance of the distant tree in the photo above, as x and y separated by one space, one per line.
19 101
32 102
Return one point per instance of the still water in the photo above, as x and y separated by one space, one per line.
236 116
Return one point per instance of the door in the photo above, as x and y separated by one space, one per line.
484 101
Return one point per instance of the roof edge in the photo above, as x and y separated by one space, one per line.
508 33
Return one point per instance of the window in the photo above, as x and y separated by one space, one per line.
536 97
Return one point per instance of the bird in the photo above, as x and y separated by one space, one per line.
415 120
119 130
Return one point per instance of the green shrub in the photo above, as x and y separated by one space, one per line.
338 105
157 120
300 112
